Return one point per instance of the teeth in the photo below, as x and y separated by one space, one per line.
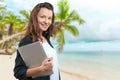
44 24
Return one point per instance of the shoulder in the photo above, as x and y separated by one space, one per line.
26 40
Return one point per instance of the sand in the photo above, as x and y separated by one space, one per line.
7 64
6 67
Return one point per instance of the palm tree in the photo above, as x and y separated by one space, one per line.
16 27
63 20
12 20
2 14
11 27
23 22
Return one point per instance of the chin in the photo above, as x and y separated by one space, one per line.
44 29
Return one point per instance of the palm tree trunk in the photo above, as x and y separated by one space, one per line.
11 37
0 36
10 31
4 48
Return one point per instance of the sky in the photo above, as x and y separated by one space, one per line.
102 19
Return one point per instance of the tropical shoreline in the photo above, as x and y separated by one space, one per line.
72 76
6 68
71 70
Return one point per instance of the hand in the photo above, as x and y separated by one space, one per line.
47 64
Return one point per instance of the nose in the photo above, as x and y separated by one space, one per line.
46 20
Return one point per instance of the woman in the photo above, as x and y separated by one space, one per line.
39 28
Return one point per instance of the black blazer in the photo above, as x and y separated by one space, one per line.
20 68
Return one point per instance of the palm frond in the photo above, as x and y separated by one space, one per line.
74 16
63 9
25 14
72 29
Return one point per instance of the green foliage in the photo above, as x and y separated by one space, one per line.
63 20
60 39
72 29
25 14
63 9
11 24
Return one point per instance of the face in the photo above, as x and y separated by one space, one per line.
44 18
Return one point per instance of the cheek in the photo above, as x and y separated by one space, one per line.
39 20
50 22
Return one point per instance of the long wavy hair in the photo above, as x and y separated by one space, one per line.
33 27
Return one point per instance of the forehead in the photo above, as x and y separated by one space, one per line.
45 11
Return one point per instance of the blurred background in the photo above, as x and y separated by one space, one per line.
88 43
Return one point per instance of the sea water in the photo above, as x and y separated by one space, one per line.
96 65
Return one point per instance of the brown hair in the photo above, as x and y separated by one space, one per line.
33 28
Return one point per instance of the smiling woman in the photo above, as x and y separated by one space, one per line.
39 29
44 15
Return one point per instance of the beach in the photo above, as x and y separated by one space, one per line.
6 67
75 66
7 64
91 65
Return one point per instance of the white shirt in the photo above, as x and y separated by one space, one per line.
50 52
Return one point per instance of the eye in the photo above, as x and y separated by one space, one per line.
50 18
42 16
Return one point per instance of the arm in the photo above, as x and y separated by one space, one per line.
45 66
20 68
21 71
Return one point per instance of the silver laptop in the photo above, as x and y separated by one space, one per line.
33 54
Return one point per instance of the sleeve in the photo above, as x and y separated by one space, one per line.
20 67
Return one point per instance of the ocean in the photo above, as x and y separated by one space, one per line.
96 65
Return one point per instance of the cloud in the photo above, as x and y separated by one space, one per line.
92 46
17 5
102 16
102 21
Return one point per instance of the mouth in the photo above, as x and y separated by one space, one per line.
44 25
